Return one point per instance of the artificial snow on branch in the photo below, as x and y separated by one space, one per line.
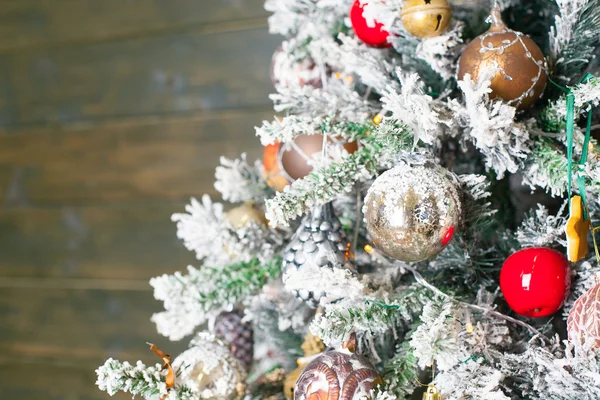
370 318
205 230
540 229
238 181
140 380
574 37
442 52
284 130
190 300
490 125
411 107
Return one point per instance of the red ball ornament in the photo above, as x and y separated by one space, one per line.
535 281
374 36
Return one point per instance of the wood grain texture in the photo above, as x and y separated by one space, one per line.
133 242
50 22
174 74
81 326
52 381
168 160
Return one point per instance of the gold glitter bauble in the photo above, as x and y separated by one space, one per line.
426 18
412 212
521 76
241 216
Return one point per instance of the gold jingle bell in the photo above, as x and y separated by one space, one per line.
432 393
241 216
426 18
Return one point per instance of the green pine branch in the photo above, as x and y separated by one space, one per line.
401 372
236 282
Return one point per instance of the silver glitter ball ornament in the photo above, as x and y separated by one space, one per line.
412 211
319 243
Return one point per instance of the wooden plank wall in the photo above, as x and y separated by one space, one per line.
112 114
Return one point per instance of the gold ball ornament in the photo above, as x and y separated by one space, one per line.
412 211
426 18
243 215
520 78
210 370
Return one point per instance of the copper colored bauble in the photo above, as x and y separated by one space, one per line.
583 323
521 77
245 214
426 18
284 163
238 334
413 211
338 375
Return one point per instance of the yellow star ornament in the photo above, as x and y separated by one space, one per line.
577 231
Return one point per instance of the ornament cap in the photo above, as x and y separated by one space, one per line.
497 23
432 393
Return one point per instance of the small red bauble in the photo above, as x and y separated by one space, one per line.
374 36
448 236
535 282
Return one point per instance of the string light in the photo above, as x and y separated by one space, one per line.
377 119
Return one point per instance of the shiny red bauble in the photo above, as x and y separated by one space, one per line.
374 36
535 282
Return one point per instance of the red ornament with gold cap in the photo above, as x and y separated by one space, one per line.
519 64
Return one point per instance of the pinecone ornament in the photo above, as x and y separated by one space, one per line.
238 333
583 323
319 243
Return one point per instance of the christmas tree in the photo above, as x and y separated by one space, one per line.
420 225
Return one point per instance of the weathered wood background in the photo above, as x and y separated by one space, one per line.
112 114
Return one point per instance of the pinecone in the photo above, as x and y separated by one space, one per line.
583 323
230 327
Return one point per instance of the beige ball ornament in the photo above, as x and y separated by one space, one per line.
412 212
426 18
210 370
245 214
521 76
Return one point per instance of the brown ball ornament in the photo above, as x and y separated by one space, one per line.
284 163
426 18
583 323
243 215
337 375
521 77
